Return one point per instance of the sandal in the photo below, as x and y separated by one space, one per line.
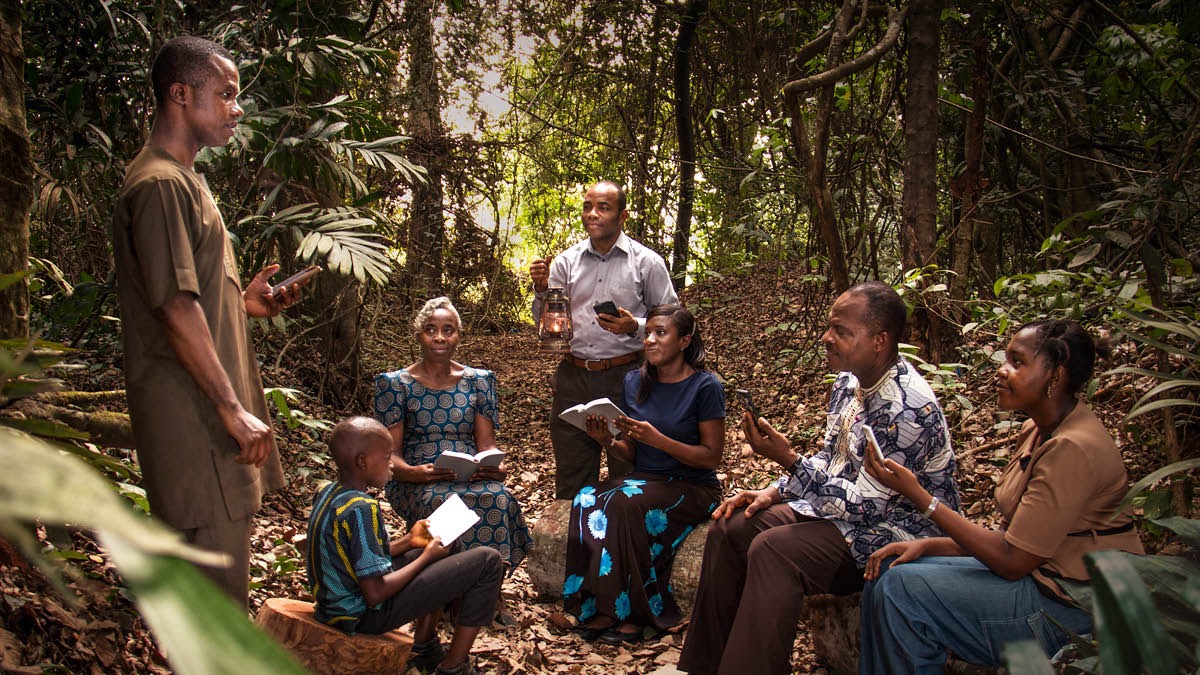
426 655
613 636
463 668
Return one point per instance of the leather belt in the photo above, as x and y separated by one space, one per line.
597 365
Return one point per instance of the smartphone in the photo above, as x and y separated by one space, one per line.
748 404
306 273
873 442
607 307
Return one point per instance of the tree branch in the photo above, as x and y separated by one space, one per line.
868 58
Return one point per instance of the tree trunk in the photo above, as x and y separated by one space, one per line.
814 152
971 183
918 236
16 184
687 143
426 228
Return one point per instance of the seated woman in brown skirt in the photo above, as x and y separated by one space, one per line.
624 532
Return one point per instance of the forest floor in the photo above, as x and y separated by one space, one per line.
760 328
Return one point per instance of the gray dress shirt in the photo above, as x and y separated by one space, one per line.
630 274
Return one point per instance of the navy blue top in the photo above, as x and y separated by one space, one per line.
676 409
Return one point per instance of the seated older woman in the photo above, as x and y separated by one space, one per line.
975 590
435 405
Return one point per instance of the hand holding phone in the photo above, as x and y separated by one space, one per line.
607 307
748 403
873 442
303 275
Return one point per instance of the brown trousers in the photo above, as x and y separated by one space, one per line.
754 577
576 455
231 537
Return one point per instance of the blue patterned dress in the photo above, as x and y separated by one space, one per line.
436 420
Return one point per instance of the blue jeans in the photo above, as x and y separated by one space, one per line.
915 613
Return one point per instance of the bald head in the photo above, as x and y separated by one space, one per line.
354 436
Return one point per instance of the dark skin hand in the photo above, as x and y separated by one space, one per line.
988 546
378 588
753 501
766 441
625 324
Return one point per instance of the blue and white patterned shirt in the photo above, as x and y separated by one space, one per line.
911 430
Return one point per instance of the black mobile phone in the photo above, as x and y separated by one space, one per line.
303 274
607 307
748 403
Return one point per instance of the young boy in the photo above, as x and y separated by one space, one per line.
365 583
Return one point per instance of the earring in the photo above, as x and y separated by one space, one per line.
1050 388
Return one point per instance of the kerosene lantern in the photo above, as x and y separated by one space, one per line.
554 329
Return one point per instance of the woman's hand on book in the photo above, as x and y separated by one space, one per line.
640 431
597 428
421 473
485 472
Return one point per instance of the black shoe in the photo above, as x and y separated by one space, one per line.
588 633
612 636
426 655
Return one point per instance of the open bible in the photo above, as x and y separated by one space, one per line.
601 407
465 465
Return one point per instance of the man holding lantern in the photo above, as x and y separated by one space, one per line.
608 266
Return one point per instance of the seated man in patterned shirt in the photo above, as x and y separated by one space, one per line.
812 531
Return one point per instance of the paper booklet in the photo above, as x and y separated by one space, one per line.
602 407
465 465
449 521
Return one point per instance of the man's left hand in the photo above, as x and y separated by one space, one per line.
766 441
259 300
625 324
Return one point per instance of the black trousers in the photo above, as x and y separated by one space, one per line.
474 575
576 455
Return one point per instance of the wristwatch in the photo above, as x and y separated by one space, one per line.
928 513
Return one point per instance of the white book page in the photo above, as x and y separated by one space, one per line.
450 520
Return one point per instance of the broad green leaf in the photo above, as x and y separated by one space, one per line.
1188 529
1154 477
1128 628
1160 404
197 627
11 278
1026 657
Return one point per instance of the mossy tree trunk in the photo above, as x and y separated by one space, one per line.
16 180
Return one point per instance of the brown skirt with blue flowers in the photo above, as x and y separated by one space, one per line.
622 540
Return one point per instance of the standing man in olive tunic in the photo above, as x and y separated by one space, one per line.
200 421
608 265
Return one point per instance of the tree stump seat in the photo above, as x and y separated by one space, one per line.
547 561
325 650
832 622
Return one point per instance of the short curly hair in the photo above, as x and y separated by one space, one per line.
432 305
186 59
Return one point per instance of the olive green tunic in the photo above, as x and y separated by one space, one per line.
168 237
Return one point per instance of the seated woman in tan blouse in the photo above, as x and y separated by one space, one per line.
975 590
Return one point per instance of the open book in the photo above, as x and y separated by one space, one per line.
601 407
449 521
465 465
